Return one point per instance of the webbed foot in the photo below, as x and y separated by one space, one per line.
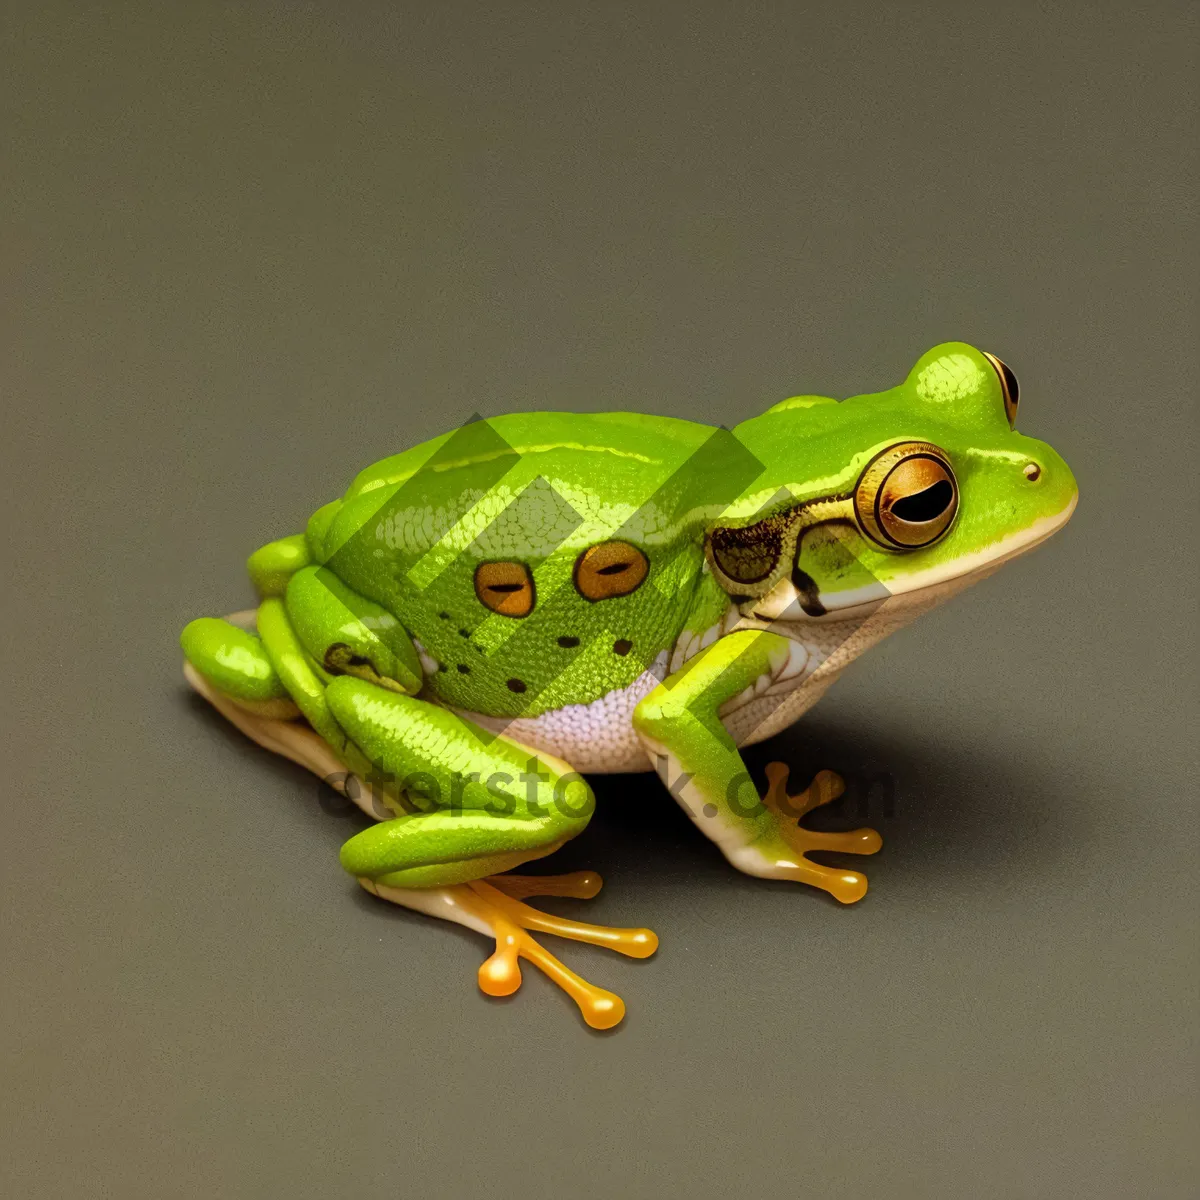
846 886
494 905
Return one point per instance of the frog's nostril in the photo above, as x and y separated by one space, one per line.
1032 472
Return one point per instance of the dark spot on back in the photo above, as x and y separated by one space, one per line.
463 669
622 646
516 685
464 633
445 616
568 642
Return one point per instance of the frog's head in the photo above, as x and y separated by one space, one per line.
914 491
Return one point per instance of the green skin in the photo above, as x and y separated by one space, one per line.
394 562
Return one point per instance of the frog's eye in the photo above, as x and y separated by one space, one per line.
748 555
610 569
1008 386
505 587
907 497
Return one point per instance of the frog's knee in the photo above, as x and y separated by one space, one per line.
349 634
370 854
232 660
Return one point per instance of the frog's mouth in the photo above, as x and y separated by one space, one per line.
799 600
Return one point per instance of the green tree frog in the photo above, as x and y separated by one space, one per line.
482 620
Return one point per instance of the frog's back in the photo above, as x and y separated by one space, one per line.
529 495
596 464
613 452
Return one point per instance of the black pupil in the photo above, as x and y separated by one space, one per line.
613 569
505 587
925 505
1011 387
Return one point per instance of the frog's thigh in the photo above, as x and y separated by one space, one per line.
490 803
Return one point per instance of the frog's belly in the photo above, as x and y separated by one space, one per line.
599 738
596 738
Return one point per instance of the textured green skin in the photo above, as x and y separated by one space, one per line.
498 803
397 559
605 485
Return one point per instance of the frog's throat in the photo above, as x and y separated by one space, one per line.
783 602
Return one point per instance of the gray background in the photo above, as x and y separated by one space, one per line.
251 247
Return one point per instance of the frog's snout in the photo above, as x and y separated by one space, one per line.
1045 470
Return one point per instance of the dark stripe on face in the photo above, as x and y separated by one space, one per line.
810 594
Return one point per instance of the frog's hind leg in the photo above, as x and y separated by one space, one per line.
461 847
492 906
295 740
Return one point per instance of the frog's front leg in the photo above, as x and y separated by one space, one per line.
679 724
487 805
